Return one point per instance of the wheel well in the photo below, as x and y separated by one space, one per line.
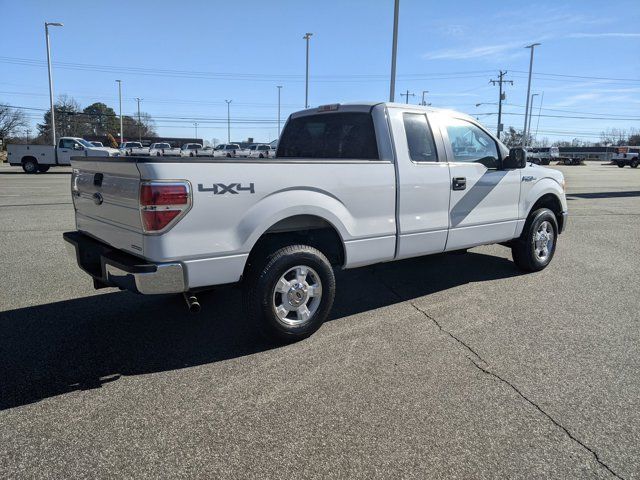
302 229
552 202
29 157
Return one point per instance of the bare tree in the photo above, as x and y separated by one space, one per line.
11 120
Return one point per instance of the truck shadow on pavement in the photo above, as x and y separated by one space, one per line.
78 344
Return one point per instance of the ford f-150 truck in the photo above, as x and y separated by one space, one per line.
39 158
351 185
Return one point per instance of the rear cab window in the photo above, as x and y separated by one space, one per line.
420 142
340 135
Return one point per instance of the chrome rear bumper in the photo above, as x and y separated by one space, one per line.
111 267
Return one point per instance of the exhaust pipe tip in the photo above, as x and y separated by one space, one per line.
192 303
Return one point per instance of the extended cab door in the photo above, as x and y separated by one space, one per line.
484 197
423 183
67 148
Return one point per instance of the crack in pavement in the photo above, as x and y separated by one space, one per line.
553 420
486 371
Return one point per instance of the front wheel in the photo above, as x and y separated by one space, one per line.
43 168
633 163
534 249
620 164
289 294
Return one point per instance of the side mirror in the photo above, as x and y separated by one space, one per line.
517 159
78 147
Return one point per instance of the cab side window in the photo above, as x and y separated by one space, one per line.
420 141
470 144
67 143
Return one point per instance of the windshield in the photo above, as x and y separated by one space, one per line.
84 143
162 145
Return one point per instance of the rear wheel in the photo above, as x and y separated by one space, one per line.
620 164
30 165
633 163
534 249
289 294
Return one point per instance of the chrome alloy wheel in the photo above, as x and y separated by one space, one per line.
297 295
543 241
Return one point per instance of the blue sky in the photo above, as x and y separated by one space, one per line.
185 58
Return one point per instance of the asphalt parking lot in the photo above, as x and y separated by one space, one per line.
454 366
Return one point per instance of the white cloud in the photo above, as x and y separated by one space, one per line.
475 52
604 35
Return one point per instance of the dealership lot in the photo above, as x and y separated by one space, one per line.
447 366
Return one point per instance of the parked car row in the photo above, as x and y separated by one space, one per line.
228 150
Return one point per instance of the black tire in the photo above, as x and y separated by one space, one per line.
633 163
620 164
523 250
43 168
157 154
30 165
261 156
228 155
260 296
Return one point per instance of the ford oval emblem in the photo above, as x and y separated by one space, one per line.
97 198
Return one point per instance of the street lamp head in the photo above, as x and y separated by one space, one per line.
54 24
307 36
533 45
478 104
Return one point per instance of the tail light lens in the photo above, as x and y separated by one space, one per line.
162 204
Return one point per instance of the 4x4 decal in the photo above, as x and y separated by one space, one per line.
221 188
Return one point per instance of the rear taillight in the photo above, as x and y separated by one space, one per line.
162 204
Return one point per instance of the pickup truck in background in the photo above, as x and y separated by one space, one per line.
351 185
190 149
133 149
163 149
230 150
39 158
260 151
626 156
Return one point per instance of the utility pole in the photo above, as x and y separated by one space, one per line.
526 110
500 81
307 36
424 103
28 132
53 114
279 87
120 100
195 124
139 122
228 120
407 95
531 113
394 51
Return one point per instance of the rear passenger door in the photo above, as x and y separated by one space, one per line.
484 197
423 184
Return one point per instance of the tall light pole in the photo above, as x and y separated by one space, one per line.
526 110
195 124
120 101
53 115
394 51
307 36
424 103
139 122
539 112
279 87
531 113
228 120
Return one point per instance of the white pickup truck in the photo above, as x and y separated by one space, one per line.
230 150
133 149
39 158
351 185
163 149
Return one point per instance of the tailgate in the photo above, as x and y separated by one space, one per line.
105 195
